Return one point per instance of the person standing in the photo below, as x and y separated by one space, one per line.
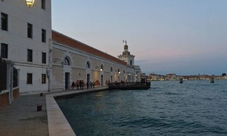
80 83
93 84
73 85
90 84
77 85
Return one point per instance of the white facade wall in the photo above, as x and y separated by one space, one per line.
127 58
77 69
133 71
16 37
138 73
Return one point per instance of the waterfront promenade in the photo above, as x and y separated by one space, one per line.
22 118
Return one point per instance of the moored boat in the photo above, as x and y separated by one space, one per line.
181 80
130 85
212 80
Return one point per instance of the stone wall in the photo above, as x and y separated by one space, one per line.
4 98
16 93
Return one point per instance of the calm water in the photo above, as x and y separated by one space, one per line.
167 108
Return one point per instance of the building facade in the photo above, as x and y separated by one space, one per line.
73 61
133 71
48 60
25 39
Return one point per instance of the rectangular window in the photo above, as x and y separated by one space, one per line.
4 50
43 4
29 55
43 35
4 21
29 33
43 78
44 57
29 78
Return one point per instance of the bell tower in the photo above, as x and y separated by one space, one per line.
126 56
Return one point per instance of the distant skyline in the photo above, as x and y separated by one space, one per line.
186 37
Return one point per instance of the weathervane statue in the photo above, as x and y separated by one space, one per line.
125 42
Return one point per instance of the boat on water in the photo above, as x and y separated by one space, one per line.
130 85
212 80
181 80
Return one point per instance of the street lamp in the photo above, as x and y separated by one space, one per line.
119 72
29 3
101 68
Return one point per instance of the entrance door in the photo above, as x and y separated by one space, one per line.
88 79
67 80
101 80
129 78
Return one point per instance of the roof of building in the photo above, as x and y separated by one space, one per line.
63 39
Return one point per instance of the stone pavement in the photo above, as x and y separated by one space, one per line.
21 118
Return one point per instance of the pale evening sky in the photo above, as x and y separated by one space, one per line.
166 36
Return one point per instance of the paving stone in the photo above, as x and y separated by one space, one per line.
21 118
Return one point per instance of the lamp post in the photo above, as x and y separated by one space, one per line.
29 3
101 68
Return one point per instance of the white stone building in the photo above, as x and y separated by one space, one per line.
25 40
133 71
73 61
45 62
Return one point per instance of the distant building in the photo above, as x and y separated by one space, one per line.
172 76
156 77
73 61
133 71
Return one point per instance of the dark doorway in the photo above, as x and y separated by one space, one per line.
88 78
66 80
101 80
129 78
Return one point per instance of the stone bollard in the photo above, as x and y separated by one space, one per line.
39 107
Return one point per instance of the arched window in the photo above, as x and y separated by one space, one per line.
66 61
111 69
88 65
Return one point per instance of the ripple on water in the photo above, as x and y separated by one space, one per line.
167 108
